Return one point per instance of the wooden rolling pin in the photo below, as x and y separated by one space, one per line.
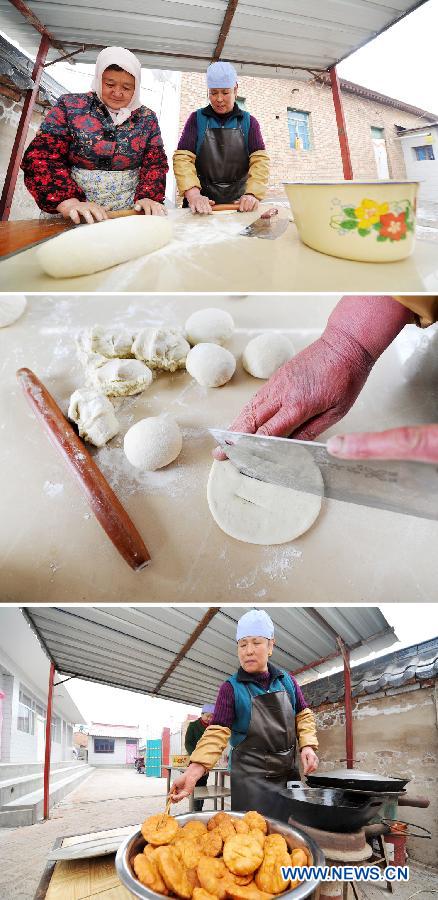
120 213
106 507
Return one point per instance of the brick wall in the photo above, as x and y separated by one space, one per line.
268 100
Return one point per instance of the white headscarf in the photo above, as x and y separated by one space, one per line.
118 56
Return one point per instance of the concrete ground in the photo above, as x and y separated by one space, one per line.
113 798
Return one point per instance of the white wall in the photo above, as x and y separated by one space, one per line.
18 746
425 171
118 758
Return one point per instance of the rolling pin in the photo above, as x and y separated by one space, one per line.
106 507
120 213
220 207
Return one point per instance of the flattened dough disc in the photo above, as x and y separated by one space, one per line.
257 512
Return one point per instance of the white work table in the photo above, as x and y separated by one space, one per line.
208 254
53 550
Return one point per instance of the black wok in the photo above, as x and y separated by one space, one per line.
357 780
331 809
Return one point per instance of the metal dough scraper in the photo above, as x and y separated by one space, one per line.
267 226
402 487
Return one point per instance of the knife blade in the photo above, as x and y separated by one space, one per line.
267 226
404 487
99 846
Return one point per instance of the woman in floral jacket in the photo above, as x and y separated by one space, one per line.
101 150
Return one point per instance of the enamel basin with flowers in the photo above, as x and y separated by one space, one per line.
368 221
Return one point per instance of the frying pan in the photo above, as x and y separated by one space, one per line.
330 809
358 780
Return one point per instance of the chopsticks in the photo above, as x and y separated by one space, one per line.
165 813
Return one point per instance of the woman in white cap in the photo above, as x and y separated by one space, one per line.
262 712
193 734
101 150
221 155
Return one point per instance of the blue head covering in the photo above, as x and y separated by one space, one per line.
255 623
221 75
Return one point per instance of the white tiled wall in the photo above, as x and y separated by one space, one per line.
118 758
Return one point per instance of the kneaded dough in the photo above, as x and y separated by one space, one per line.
120 377
12 306
153 443
257 512
210 365
211 325
264 354
94 415
106 343
161 348
90 248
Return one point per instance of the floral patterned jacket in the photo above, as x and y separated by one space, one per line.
79 131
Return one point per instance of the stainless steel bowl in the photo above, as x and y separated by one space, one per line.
135 843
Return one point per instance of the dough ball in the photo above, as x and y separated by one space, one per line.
161 348
120 377
91 248
210 365
12 306
213 326
257 512
94 415
109 343
264 354
153 443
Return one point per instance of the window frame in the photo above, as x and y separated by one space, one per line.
23 697
103 740
304 121
426 158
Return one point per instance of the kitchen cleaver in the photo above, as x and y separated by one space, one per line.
267 226
402 487
86 849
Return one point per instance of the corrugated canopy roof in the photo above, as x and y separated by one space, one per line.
262 39
184 653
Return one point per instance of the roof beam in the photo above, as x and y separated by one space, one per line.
225 28
209 615
322 622
36 23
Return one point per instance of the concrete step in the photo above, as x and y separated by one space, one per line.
28 809
11 769
13 788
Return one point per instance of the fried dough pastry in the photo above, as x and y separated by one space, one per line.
159 829
211 843
174 872
242 854
226 829
149 850
255 820
299 857
194 829
240 826
258 835
243 879
219 817
202 894
189 852
214 876
269 877
247 892
147 872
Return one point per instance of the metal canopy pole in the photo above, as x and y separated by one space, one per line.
48 746
349 744
340 121
23 127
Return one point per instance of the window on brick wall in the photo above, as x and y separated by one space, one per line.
103 745
26 713
299 129
424 152
377 133
241 102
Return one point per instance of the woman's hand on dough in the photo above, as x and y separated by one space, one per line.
82 209
150 207
309 760
247 203
198 203
416 442
309 393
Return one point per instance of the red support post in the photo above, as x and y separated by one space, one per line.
349 744
48 746
340 121
23 127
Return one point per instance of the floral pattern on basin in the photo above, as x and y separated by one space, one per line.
385 221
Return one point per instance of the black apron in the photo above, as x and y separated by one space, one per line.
222 164
265 760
